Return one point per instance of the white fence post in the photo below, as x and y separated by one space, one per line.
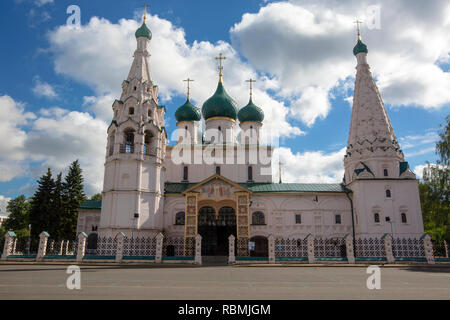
310 240
81 246
428 248
159 247
388 248
8 247
231 250
42 250
271 248
349 248
446 248
120 242
198 249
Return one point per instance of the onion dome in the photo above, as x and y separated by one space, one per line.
360 47
143 31
220 105
188 112
251 112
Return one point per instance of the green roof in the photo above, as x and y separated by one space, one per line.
188 112
220 105
403 167
360 47
251 112
91 204
143 31
271 187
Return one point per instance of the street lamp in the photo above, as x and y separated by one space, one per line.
29 239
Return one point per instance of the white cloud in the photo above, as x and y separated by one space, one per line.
41 3
308 44
43 89
3 203
312 166
418 170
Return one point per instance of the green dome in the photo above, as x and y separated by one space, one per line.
188 112
360 47
220 105
143 31
251 112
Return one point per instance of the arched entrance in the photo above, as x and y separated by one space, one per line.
261 246
215 228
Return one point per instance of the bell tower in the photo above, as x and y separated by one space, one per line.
133 185
385 190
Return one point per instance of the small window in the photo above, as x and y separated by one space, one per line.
337 219
179 218
185 173
131 110
149 113
385 172
298 218
404 220
135 88
388 193
250 173
220 129
218 170
376 217
258 218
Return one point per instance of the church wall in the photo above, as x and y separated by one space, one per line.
370 198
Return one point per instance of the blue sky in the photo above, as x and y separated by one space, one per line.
57 85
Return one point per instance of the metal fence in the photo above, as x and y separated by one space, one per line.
334 247
105 246
291 248
174 247
139 246
408 248
370 247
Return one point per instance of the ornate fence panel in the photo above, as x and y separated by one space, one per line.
408 248
106 246
61 247
334 247
370 247
291 248
173 247
139 246
23 247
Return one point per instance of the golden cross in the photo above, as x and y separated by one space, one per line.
358 22
188 88
220 58
145 11
251 86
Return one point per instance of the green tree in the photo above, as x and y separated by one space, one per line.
435 190
97 197
18 219
42 207
72 196
57 209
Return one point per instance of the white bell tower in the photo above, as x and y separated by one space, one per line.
133 185
385 190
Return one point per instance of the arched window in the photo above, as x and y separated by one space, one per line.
404 220
135 88
131 110
376 217
149 113
385 172
128 147
388 193
250 173
258 218
179 218
185 173
218 170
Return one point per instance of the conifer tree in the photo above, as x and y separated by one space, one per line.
42 206
57 209
73 195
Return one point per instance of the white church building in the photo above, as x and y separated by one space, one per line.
216 184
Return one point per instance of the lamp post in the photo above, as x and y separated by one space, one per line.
29 239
